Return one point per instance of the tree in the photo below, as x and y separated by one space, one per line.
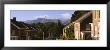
60 28
51 30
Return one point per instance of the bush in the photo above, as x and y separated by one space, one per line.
70 33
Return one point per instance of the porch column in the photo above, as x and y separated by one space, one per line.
96 16
92 30
82 34
77 31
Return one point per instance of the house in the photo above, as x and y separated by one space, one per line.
86 25
21 30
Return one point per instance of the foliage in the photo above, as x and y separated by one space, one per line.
70 33
61 37
51 30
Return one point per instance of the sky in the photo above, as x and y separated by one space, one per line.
23 15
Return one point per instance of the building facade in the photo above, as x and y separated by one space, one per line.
21 31
86 27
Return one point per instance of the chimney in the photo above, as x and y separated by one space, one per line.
14 18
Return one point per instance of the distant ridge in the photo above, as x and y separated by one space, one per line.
43 20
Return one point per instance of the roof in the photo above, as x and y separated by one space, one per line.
84 17
69 25
18 24
13 26
22 25
80 19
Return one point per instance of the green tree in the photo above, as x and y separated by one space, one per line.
49 28
60 28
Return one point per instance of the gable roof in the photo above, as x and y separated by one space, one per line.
80 19
22 25
18 24
84 16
